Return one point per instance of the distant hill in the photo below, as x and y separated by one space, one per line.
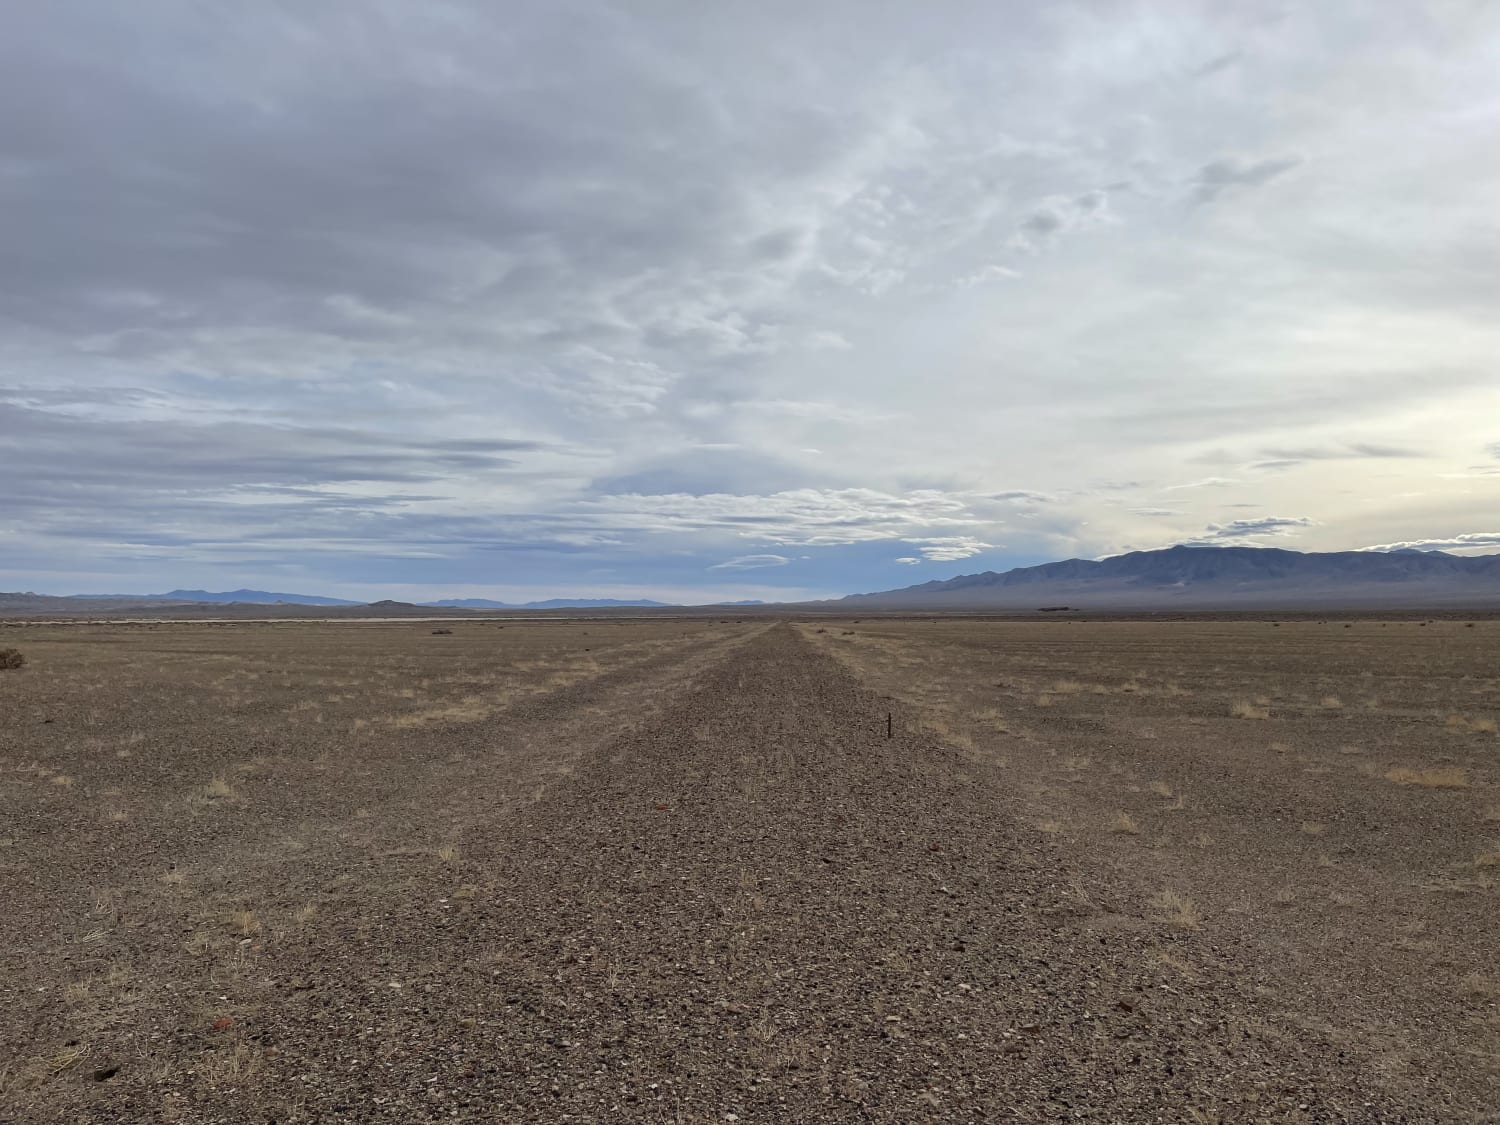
1214 578
200 602
247 597
551 603
209 597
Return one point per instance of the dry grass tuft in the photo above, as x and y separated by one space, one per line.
1177 910
1477 986
230 1066
219 789
1244 709
1313 828
244 921
1161 789
1439 777
448 853
1461 724
1051 827
1332 703
1125 825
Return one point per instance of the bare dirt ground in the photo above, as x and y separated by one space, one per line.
676 871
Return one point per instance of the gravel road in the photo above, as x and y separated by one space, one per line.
754 906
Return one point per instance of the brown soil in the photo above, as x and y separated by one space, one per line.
676 871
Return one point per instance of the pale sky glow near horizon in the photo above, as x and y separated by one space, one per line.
710 302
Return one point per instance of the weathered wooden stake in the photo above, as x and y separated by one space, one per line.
888 728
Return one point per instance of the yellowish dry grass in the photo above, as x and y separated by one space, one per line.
1244 709
1477 986
1436 777
1462 724
228 1066
1176 910
1124 824
219 788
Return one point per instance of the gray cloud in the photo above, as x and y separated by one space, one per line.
1206 482
1473 540
1275 465
1342 452
751 562
1278 459
1218 63
949 548
1058 216
1218 176
1237 533
419 289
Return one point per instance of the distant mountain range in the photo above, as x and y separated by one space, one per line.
550 603
113 603
1214 578
1180 578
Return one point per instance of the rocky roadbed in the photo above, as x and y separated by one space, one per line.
742 902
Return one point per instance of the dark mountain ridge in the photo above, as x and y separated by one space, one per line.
1207 577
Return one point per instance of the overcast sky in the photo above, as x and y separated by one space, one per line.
710 301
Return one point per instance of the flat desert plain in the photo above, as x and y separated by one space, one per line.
677 870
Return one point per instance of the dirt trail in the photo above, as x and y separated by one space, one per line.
756 907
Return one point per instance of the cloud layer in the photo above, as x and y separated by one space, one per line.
417 298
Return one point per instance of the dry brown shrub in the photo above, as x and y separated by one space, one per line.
11 658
